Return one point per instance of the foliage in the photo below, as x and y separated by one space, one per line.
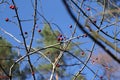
6 54
50 38
7 58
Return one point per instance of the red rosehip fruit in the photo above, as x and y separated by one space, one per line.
12 7
7 19
58 39
39 30
93 62
58 65
88 9
82 53
61 39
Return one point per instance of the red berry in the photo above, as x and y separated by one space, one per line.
58 65
61 38
88 9
26 33
70 26
82 53
58 39
7 19
12 7
93 62
39 30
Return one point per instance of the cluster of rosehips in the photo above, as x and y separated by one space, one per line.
88 9
27 32
11 7
106 67
60 38
94 60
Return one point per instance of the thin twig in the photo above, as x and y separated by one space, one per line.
92 37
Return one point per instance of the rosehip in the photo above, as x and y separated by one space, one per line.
58 65
58 39
82 53
93 62
88 9
61 38
7 19
39 30
12 7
